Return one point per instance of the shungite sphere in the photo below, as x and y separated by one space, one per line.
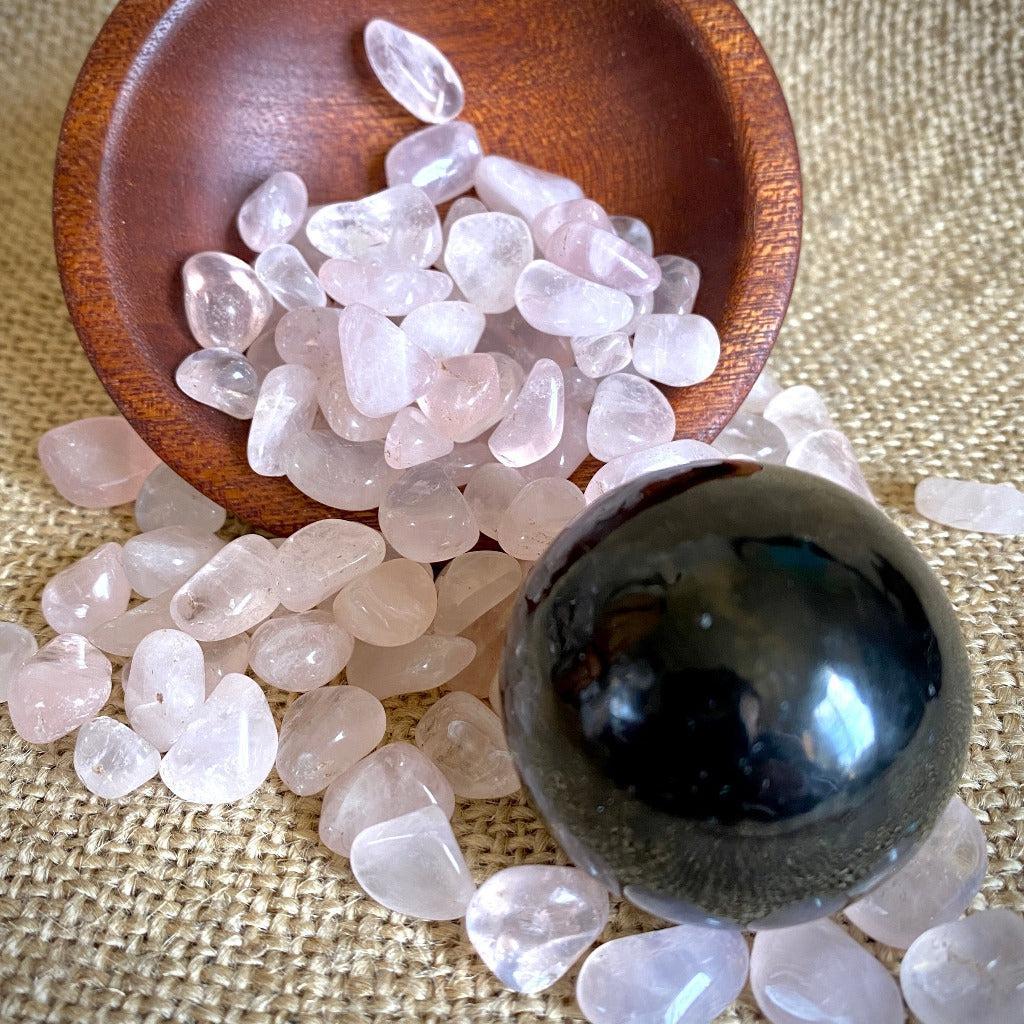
736 693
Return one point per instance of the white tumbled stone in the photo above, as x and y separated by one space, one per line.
285 408
550 219
663 456
301 651
288 277
342 416
465 397
339 473
226 305
680 282
676 349
797 412
413 439
166 500
628 415
556 301
91 592
441 160
971 505
829 454
445 329
17 645
471 585
533 427
393 291
390 605
485 254
423 664
273 212
752 437
602 256
121 636
537 514
225 657
220 378
605 354
163 559
111 760
489 493
511 187
635 231
309 337
571 450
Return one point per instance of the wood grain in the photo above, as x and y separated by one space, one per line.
667 109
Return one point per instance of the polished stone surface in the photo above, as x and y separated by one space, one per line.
226 305
273 212
89 593
422 664
300 652
718 673
111 760
288 277
440 159
163 559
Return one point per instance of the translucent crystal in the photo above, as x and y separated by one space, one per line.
393 291
226 305
224 658
390 605
537 515
797 412
445 329
636 232
87 594
608 353
752 436
414 71
285 273
663 456
17 645
602 256
489 493
765 388
310 337
342 416
274 212
285 408
121 636
324 733
422 664
98 462
970 505
556 301
549 220
111 760
441 160
534 426
511 187
680 281
263 356
829 454
166 500
678 350
485 254
570 451
532 922
471 585
628 415
300 652
338 473
465 397
412 440
220 378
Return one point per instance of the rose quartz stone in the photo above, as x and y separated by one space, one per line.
111 760
98 462
285 409
680 281
424 516
753 437
284 272
628 415
537 514
233 592
557 301
166 500
165 687
797 412
89 593
970 970
829 454
471 585
164 559
220 378
273 212
227 751
225 657
342 416
511 377
534 426
970 505
532 922
489 493
413 439
465 739
764 389
663 456
485 254
462 207
445 329
226 304
393 291
58 689
339 473
487 633
324 733
681 975
413 865
934 887
599 255
121 636
301 651
635 231
679 350
309 337
571 449
17 645
441 160
386 784
608 353
465 397
390 605
549 220
511 187
816 972
424 663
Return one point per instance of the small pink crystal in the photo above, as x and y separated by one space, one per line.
471 585
441 160
301 651
89 593
557 301
537 514
226 305
487 633
679 350
464 460
534 426
17 645
423 664
342 416
485 254
284 272
628 415
571 449
413 439
970 505
111 760
309 337
550 219
680 281
339 473
512 187
390 605
601 256
465 397
222 379
164 559
393 291
607 353
166 500
285 409
489 493
445 329
273 212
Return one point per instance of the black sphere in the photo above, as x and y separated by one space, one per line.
736 692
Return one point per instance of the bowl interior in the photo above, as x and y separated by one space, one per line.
183 108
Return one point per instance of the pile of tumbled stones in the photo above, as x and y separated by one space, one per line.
338 598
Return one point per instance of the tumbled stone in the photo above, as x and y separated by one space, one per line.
226 304
679 350
487 633
511 334
815 971
165 686
512 187
318 560
445 329
339 473
285 273
309 337
531 923
220 378
465 397
471 585
426 662
58 689
556 301
163 559
17 645
753 437
424 517
569 453
602 256
233 592
829 454
465 739
227 751
968 970
273 212
390 605
285 408
440 159
680 282
663 456
971 505
111 760
412 440
384 371
88 593
537 515
485 254
634 231
549 220
413 865
301 651
934 887
386 784
608 353
225 657
489 493
628 415
393 291
414 71
398 227
797 412
342 416
764 389
166 500
324 733
97 462
121 636
534 426
689 975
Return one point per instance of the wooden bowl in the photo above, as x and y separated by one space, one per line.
667 109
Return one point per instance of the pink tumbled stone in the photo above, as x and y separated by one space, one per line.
111 760
537 514
339 473
273 212
445 329
600 255
390 605
441 160
489 493
17 645
764 389
680 281
797 412
485 254
608 353
122 635
166 500
465 397
284 272
386 784
285 408
971 505
393 291
342 416
533 428
628 415
464 459
934 887
164 559
97 462
816 972
413 439
829 454
571 450
309 337
487 633
681 975
512 187
89 593
324 733
557 301
663 456
413 865
227 751
220 378
301 651
58 689
226 304
550 219
224 658
532 922
471 585
510 334
426 662
679 350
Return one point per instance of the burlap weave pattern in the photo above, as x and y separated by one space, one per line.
908 315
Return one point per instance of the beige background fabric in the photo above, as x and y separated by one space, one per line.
908 316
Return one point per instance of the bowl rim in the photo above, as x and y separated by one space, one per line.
756 303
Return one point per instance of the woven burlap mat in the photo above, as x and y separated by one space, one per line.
908 316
